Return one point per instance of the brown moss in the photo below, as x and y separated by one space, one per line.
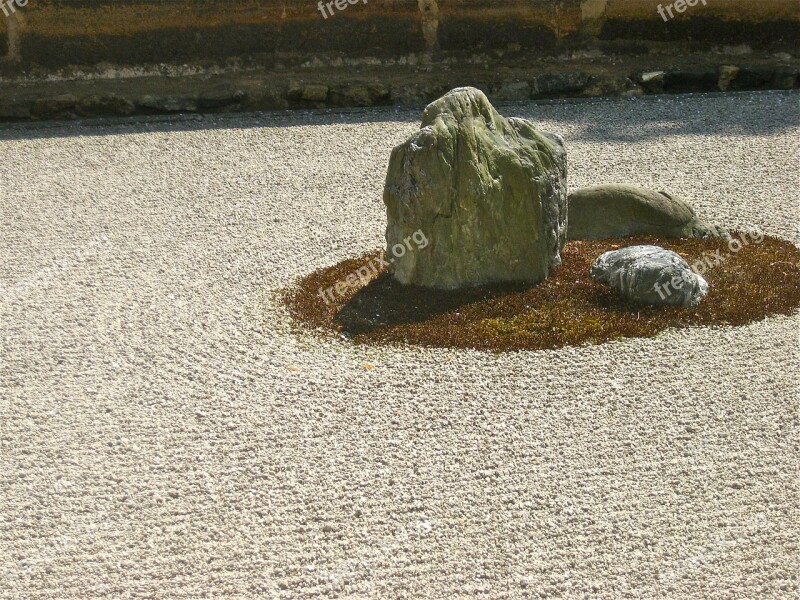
569 308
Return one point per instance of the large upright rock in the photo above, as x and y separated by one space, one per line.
488 193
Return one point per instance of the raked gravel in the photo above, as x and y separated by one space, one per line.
164 435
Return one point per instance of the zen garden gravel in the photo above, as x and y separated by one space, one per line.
163 434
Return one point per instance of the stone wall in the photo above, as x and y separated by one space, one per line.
85 58
48 34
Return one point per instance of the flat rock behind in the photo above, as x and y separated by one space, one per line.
617 210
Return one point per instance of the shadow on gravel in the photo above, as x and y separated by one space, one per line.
598 119
205 122
729 114
384 302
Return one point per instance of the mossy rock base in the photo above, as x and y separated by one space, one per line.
569 308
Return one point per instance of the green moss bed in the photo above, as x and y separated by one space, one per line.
568 309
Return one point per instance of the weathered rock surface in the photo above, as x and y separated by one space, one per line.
610 211
488 192
650 275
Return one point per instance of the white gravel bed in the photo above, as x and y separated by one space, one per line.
164 435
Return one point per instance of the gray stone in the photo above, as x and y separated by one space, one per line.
560 84
652 81
351 95
55 107
612 86
786 79
651 76
414 94
220 96
489 193
110 105
14 110
650 275
295 91
613 211
359 95
167 104
315 93
727 73
513 90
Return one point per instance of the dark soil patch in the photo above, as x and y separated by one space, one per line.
568 309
